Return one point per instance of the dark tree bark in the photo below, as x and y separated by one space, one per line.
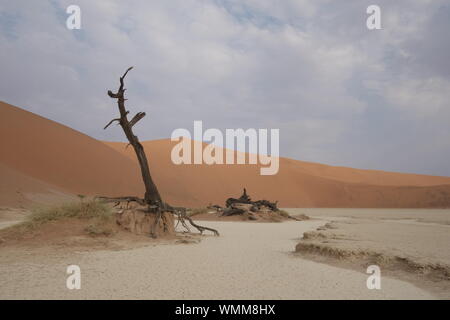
152 196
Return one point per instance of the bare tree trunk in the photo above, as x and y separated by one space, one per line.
152 196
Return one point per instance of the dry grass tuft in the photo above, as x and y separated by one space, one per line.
98 229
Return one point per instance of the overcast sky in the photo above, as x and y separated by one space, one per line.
339 93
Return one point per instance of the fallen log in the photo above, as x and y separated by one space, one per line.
245 199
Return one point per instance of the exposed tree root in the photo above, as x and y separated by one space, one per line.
201 228
182 216
179 212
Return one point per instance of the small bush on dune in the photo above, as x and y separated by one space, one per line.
92 209
81 210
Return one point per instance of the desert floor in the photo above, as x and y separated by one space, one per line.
408 244
248 261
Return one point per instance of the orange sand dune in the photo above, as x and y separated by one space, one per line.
62 157
57 156
373 177
297 184
18 190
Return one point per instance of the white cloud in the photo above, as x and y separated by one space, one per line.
421 97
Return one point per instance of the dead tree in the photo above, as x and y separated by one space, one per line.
152 197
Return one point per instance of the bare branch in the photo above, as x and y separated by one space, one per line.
136 118
109 123
113 95
121 89
125 74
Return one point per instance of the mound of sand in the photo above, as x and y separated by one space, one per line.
269 216
57 223
84 223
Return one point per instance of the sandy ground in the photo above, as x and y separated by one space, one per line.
441 216
248 261
411 244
